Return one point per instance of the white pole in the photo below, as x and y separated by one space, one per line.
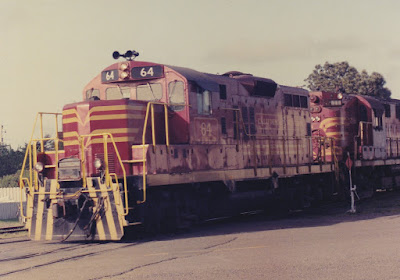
352 190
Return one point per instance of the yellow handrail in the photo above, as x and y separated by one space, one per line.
150 110
106 162
30 155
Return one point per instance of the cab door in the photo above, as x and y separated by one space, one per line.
178 111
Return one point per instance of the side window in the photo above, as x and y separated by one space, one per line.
363 113
378 122
203 102
398 111
222 92
149 92
113 93
288 100
387 110
176 93
294 100
92 93
303 102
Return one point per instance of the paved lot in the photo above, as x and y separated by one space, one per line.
322 244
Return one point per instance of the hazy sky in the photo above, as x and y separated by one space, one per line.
50 49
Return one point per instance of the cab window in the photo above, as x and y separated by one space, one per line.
203 102
176 93
92 93
114 93
149 92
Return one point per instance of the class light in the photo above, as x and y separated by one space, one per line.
98 163
39 167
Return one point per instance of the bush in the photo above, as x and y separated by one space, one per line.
10 181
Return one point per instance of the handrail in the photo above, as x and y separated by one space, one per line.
107 172
21 204
30 154
150 110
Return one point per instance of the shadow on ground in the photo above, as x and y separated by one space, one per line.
382 204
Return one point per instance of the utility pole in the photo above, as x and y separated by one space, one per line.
3 145
2 135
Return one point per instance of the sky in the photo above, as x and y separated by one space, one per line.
50 49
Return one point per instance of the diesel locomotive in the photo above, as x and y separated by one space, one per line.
162 147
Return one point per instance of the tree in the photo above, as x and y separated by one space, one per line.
11 160
341 77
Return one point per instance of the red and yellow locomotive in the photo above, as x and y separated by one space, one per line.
165 146
363 129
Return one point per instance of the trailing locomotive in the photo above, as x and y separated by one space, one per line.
165 146
364 130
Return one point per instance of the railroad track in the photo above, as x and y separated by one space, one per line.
12 229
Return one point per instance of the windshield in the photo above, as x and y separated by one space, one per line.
113 93
149 92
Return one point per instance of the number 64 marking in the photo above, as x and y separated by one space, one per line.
149 72
205 129
110 75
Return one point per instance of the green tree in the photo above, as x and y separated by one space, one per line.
11 160
341 77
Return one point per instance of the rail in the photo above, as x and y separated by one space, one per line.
12 229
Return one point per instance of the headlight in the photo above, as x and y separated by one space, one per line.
339 96
124 75
98 163
123 66
39 166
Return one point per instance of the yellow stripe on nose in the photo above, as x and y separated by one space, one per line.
50 218
99 223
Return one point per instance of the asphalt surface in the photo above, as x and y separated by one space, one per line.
324 243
